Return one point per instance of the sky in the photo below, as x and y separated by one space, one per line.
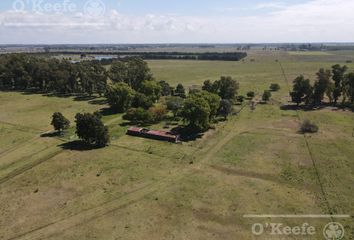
175 21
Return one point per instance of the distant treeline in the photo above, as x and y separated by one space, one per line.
221 56
29 72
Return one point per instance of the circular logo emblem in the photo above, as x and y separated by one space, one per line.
333 231
94 8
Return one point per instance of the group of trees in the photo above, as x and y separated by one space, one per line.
226 87
27 72
89 127
335 84
201 107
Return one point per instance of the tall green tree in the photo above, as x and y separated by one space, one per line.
180 91
213 102
321 85
151 89
302 90
91 129
59 122
132 71
120 96
225 108
349 86
338 73
196 112
165 88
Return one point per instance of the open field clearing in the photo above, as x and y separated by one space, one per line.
254 163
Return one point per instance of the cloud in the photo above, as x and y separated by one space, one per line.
314 21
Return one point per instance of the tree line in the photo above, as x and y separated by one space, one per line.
221 56
335 83
27 72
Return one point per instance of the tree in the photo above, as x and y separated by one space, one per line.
349 86
338 73
227 88
174 104
165 88
210 86
151 89
302 90
120 96
213 102
274 87
132 71
196 112
330 92
119 72
91 130
141 100
225 108
321 85
251 94
266 95
59 122
180 91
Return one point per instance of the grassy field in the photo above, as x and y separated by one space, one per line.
255 163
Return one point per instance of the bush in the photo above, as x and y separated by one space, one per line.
251 94
158 112
240 99
274 87
266 96
308 127
138 115
174 104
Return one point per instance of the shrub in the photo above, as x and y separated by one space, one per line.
138 115
174 104
251 94
266 96
308 127
240 98
274 87
158 112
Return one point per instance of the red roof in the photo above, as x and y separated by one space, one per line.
156 133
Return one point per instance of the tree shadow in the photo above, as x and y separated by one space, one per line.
98 102
187 133
107 111
292 107
125 124
78 145
51 134
84 98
